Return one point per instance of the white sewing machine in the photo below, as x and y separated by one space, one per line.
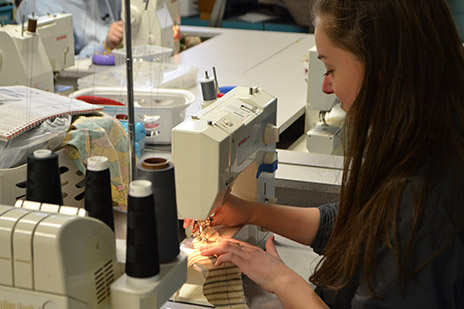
152 23
324 117
230 145
30 57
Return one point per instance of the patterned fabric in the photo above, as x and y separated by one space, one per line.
102 135
223 286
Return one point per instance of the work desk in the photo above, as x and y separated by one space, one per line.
268 59
274 61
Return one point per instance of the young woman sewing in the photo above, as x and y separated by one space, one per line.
396 238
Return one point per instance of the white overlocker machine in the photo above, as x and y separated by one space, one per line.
30 56
56 31
54 256
52 259
230 146
324 116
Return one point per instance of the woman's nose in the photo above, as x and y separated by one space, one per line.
327 85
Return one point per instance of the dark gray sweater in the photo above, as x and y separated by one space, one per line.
440 284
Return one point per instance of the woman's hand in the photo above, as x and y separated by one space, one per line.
263 267
191 223
233 212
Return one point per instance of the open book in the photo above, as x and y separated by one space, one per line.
22 108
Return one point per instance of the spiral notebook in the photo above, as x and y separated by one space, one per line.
22 108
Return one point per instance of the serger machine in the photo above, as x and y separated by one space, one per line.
55 256
56 31
324 117
227 147
55 260
30 56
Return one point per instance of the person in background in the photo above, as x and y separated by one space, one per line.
396 237
96 24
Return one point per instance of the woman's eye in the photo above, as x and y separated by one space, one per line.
329 72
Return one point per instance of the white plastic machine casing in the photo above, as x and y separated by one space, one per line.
31 58
151 23
321 137
56 32
50 260
23 59
229 144
134 293
317 99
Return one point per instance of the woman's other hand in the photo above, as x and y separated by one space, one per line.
265 268
233 212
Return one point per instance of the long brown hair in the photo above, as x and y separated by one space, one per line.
408 113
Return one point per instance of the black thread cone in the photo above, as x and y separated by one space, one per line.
98 199
161 174
142 260
43 182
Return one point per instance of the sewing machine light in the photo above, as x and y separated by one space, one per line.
176 32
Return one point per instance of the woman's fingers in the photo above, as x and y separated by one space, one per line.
191 223
187 223
270 246
263 267
221 247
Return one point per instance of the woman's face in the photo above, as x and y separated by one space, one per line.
344 71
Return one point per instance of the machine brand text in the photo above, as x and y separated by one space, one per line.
243 140
4 304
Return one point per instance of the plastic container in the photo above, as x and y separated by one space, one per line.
151 53
146 75
158 109
13 182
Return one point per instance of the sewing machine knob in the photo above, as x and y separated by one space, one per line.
269 157
271 134
136 15
151 39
